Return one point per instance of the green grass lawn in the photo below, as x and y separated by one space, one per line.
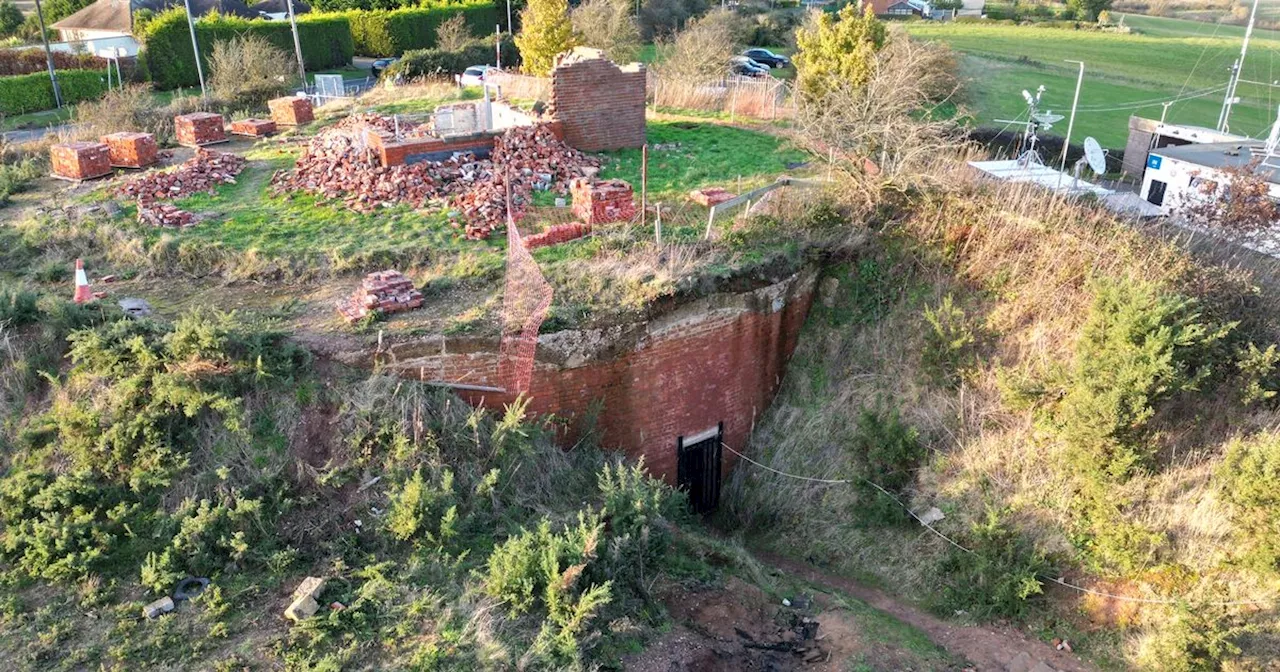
1124 74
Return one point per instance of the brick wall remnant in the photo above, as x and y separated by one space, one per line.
710 196
253 128
132 150
80 160
384 291
600 104
602 201
556 234
199 128
291 110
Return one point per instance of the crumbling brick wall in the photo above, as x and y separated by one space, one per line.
600 104
720 359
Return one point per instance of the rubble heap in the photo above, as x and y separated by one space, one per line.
201 173
340 163
384 291
556 234
709 196
599 202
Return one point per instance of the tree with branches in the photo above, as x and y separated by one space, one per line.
837 52
545 32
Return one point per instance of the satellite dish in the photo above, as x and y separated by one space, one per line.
1094 155
1047 117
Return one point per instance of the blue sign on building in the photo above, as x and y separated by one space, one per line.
1153 161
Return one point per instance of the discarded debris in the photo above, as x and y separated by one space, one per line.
304 603
135 308
556 234
385 292
203 172
600 202
161 606
710 196
190 587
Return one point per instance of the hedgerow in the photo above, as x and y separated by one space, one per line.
34 92
168 59
392 33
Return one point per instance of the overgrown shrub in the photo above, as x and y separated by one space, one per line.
1194 638
428 63
949 342
17 306
15 176
423 511
886 452
250 71
392 33
1246 482
661 18
608 25
33 93
169 61
1139 345
997 577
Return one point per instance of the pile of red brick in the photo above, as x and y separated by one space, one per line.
201 173
199 128
385 292
710 196
80 160
291 110
253 128
132 150
164 216
556 234
339 163
599 202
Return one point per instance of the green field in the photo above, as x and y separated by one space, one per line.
1125 74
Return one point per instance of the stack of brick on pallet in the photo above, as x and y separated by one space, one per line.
385 292
556 234
253 128
80 160
132 150
600 202
199 128
291 110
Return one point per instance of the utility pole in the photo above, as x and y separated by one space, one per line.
511 29
48 56
1224 117
195 48
297 45
1071 122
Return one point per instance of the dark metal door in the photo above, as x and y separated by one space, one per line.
698 467
1155 194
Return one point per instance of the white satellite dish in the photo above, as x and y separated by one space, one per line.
1095 156
1047 117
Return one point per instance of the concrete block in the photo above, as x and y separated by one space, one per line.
161 606
305 602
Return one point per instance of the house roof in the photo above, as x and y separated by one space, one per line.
1224 155
117 15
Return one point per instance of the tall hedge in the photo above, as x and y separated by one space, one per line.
34 92
420 63
391 33
169 61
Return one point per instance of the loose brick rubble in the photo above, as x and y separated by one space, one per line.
291 110
199 128
340 163
599 202
201 173
132 150
385 291
710 196
253 128
80 160
556 234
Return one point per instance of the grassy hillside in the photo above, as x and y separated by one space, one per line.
1077 398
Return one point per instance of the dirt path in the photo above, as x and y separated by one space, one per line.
987 648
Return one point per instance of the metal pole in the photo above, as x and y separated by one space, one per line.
497 44
1164 111
195 48
644 183
1071 122
48 56
1224 117
511 29
297 45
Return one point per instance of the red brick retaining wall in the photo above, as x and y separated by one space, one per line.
719 359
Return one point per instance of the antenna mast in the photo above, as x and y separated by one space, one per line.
1224 117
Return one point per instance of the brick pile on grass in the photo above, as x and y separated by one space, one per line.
385 292
340 163
202 173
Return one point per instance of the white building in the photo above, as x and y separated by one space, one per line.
1175 176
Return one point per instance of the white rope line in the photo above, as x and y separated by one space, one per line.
953 542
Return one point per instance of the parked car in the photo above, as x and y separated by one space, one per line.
766 57
380 65
745 67
474 75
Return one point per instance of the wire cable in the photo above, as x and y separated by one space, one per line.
1052 579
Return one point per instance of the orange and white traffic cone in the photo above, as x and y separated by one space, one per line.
83 293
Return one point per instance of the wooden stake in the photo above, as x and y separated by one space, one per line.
644 183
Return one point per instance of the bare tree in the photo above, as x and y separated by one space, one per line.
453 34
701 51
608 25
249 70
888 127
1239 203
